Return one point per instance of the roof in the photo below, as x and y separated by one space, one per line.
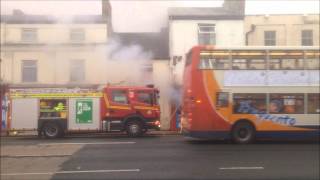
201 13
156 43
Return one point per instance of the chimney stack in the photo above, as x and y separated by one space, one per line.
106 9
107 15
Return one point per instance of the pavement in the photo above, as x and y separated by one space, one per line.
168 156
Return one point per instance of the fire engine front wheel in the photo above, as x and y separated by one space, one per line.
134 128
52 130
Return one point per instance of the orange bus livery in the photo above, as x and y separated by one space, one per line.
244 93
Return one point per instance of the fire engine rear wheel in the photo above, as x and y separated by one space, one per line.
52 130
243 133
134 128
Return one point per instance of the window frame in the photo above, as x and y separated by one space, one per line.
306 40
29 34
245 97
150 94
25 67
225 100
206 37
308 105
283 98
77 35
74 66
272 40
125 93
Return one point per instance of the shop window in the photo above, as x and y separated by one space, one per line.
312 64
119 96
286 64
257 64
53 108
222 99
286 103
292 64
314 103
245 103
145 97
29 71
239 64
214 63
206 34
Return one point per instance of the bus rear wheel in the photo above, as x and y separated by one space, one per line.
243 133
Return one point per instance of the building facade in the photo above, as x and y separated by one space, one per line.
218 26
282 30
40 50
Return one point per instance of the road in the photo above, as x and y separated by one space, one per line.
155 157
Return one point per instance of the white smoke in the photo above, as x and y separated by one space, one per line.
126 64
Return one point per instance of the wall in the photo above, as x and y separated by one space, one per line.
162 81
53 51
184 34
55 33
288 28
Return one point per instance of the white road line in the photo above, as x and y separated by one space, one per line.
22 155
241 168
73 172
96 143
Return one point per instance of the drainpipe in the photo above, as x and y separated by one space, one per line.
253 27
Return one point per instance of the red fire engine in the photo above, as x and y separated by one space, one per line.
52 112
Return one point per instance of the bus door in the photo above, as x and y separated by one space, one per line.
223 104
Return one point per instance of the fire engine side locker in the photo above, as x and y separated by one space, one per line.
24 114
84 114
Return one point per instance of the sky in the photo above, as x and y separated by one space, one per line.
135 14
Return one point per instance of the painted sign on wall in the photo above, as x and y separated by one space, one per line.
84 111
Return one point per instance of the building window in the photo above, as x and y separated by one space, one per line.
77 70
286 103
206 34
29 71
314 103
77 35
306 38
29 35
270 38
249 103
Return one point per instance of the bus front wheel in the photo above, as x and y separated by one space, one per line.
243 132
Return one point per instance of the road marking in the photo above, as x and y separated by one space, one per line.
241 168
27 156
73 172
96 143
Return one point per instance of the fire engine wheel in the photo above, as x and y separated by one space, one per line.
134 128
243 133
52 130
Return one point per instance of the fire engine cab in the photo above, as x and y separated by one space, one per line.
130 109
53 112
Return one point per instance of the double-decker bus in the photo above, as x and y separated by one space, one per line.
244 93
